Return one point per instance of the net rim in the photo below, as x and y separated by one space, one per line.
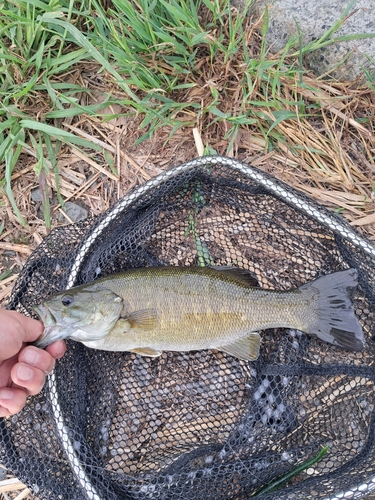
276 187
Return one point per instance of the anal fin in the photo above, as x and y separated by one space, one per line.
246 348
146 351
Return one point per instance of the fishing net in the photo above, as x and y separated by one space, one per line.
201 424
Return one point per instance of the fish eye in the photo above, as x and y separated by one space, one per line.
67 300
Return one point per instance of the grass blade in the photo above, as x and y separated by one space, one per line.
11 157
82 41
279 482
60 134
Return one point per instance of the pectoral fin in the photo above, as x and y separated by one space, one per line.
146 351
246 348
144 319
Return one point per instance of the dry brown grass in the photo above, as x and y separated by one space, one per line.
329 156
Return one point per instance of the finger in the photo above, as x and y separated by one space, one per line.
37 358
57 349
32 328
16 329
27 377
11 401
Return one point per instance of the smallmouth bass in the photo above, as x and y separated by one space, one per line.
150 310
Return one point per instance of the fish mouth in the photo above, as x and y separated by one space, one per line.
45 315
52 330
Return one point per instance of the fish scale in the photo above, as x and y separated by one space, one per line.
150 310
202 309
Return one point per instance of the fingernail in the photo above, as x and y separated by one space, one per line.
59 349
30 356
24 373
6 395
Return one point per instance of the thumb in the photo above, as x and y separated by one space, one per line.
32 328
15 329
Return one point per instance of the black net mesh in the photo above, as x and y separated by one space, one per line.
201 425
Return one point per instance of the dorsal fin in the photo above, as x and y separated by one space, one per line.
243 275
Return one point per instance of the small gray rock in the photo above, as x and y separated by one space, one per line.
36 195
3 472
74 212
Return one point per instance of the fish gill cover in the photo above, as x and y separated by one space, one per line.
201 424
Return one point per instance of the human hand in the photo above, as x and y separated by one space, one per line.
23 369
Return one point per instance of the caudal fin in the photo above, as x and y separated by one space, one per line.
335 321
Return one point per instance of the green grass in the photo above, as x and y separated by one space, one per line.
282 480
173 63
